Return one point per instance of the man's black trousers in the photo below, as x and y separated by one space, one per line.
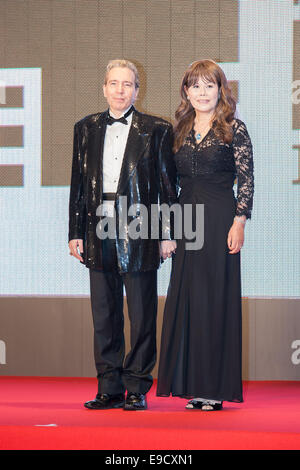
117 373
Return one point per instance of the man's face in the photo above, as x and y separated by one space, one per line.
119 90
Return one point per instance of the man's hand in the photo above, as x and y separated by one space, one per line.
167 247
73 244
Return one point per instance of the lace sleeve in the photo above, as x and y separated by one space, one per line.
243 157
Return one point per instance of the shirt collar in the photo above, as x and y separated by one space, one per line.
116 117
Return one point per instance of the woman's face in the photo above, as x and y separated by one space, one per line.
203 96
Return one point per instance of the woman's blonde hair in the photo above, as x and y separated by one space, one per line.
209 71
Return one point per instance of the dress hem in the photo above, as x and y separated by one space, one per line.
189 397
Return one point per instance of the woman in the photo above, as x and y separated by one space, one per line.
201 336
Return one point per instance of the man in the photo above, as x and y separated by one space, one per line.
121 154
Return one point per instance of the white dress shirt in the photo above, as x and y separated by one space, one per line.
115 140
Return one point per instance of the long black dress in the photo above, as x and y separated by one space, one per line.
202 328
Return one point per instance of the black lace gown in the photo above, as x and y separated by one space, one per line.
202 327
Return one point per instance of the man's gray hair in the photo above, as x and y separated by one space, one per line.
123 63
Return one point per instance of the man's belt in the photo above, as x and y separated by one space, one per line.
109 196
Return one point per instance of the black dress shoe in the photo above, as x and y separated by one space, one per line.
135 401
105 402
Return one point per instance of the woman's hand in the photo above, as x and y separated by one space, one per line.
235 239
167 247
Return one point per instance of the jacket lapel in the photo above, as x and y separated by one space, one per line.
95 156
137 141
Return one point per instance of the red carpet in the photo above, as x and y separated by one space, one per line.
47 413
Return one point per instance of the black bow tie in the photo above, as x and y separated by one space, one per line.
111 120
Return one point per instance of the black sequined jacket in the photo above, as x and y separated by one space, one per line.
148 176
